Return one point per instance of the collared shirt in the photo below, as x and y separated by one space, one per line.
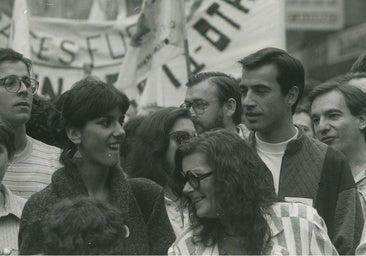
360 181
178 218
10 213
296 229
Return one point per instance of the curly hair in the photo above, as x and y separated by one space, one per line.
147 157
83 225
243 189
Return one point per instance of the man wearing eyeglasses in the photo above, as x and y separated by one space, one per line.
34 161
214 100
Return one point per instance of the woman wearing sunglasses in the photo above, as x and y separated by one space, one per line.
230 197
152 153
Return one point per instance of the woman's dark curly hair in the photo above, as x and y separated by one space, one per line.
243 189
87 100
83 226
147 157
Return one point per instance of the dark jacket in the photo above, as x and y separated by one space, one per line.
140 201
310 169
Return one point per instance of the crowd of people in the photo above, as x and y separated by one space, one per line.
263 164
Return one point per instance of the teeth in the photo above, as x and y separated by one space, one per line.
114 146
197 199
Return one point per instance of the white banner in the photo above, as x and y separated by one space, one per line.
220 32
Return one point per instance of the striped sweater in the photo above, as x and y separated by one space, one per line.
296 229
31 170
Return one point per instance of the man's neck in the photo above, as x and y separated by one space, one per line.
356 158
20 138
278 135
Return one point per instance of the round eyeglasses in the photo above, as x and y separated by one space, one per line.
198 106
195 180
13 83
181 136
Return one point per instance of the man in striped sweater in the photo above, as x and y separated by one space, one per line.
303 169
34 162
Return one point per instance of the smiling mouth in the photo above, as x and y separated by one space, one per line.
22 104
115 146
197 199
327 140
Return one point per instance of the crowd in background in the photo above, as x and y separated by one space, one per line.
263 164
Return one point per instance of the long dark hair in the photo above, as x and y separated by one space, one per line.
88 99
147 157
243 189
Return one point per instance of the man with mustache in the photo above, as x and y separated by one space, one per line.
215 102
34 161
338 113
303 169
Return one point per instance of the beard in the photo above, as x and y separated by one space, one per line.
216 123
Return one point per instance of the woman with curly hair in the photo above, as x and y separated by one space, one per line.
153 149
232 208
92 115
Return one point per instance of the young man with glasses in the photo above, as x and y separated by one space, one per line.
33 162
214 101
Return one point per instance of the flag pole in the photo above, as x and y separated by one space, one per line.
186 55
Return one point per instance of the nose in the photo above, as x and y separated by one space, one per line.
193 113
23 90
187 188
323 126
119 131
248 100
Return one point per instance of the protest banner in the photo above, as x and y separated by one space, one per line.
219 33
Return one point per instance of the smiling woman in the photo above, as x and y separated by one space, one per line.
92 115
230 197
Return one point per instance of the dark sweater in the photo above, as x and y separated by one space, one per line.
310 169
140 201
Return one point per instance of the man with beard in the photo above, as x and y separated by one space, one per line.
338 113
215 102
303 169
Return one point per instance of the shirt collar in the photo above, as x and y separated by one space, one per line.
13 204
361 176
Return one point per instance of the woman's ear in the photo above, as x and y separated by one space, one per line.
74 135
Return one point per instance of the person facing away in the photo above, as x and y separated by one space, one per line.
338 113
152 154
11 206
34 161
92 114
83 226
232 206
303 169
215 102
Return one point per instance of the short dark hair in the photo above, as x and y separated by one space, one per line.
227 87
7 138
349 76
7 54
83 225
243 188
87 100
290 71
360 64
355 98
147 156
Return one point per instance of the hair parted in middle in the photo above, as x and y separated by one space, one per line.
243 188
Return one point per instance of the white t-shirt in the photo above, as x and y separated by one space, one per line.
272 154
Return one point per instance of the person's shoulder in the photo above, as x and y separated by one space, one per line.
294 209
39 201
45 147
144 185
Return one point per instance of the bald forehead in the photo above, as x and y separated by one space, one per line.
205 90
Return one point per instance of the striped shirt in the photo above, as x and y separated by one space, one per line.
10 213
296 229
31 170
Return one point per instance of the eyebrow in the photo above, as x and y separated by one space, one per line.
329 111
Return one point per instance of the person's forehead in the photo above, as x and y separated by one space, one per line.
18 68
329 101
205 90
261 75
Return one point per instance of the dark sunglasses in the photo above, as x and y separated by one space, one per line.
194 179
181 136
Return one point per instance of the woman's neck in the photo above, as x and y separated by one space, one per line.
94 178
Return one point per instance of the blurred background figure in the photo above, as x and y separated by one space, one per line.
11 206
92 115
359 65
301 118
84 226
232 205
152 153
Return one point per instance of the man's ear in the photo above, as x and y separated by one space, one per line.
362 121
230 107
74 135
292 95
